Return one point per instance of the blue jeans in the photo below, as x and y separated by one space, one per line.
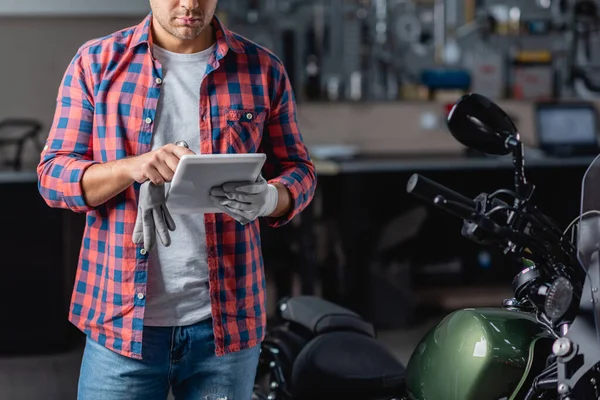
181 358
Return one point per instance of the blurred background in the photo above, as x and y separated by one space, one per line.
374 81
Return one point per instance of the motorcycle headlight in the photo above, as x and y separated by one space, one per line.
558 299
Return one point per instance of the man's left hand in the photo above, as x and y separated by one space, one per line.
246 201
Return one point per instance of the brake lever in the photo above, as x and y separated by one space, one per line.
440 200
478 218
472 228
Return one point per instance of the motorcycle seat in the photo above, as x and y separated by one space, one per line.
346 365
321 316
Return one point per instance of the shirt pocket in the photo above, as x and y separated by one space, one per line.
244 129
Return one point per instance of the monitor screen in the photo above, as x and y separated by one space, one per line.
567 125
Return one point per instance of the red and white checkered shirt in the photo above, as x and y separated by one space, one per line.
106 109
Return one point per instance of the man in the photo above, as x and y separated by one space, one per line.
187 312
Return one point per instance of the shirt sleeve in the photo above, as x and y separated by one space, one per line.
68 151
288 161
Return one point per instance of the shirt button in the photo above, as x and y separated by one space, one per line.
249 116
148 120
204 117
140 296
143 252
158 81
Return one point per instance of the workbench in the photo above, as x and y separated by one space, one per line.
376 163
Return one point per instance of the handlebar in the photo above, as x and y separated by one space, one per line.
441 196
462 207
504 231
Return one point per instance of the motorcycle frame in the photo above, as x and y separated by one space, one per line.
579 359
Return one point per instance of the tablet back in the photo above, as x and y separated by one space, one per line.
196 175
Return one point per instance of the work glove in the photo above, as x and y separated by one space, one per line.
246 201
153 217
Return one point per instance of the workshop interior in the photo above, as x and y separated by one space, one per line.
416 113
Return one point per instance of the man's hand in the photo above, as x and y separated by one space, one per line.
157 166
246 201
152 217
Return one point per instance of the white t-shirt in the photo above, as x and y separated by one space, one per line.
178 291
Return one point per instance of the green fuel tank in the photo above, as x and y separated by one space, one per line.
477 354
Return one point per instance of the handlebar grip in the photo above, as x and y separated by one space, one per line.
428 190
458 205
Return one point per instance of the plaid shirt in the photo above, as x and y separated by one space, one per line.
106 108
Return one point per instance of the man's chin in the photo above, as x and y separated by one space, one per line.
186 33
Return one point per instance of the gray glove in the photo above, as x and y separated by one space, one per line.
152 217
246 201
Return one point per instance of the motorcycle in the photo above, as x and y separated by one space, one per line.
542 344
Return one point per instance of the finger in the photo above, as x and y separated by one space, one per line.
231 187
235 205
161 227
149 230
228 211
165 171
153 175
171 161
178 151
242 198
169 219
217 203
217 191
138 229
253 188
158 162
218 198
233 213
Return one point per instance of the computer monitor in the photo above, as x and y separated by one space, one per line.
567 128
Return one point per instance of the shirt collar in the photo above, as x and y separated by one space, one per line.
225 39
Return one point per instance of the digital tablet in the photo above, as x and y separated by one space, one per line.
189 190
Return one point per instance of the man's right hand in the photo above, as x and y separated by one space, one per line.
152 170
101 182
157 166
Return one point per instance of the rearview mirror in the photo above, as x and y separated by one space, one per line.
478 123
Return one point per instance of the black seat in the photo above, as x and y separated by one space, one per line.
341 365
325 351
321 316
